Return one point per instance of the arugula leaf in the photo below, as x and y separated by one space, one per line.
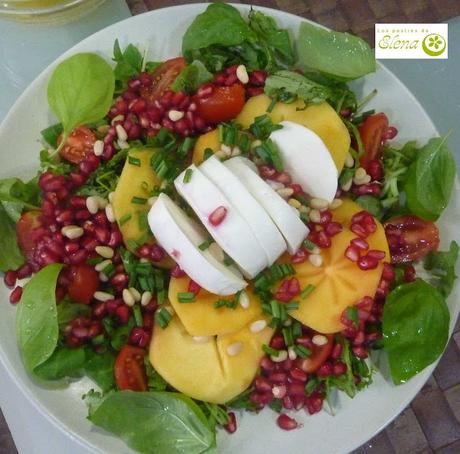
51 134
442 266
36 317
22 195
99 367
192 77
10 255
430 180
338 54
52 162
67 310
415 328
242 402
81 90
371 204
154 422
64 362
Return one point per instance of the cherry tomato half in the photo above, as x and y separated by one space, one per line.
372 131
78 145
410 238
318 356
83 284
224 104
163 77
130 370
27 223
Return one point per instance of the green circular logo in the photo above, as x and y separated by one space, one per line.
434 45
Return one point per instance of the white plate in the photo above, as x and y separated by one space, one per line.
356 420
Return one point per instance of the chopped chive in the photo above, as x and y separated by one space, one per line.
132 244
231 304
283 313
163 317
125 218
270 351
275 309
229 135
228 261
139 200
208 152
138 315
161 296
288 337
134 161
266 308
109 270
302 351
142 220
220 130
204 245
98 340
307 291
296 329
188 175
304 217
144 238
185 147
94 261
272 104
352 315
309 244
292 305
186 297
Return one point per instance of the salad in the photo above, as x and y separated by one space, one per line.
225 231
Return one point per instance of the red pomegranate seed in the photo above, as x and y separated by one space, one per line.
360 352
314 404
254 91
409 274
284 178
78 257
139 337
258 78
305 341
148 321
325 217
261 398
193 287
359 339
80 332
296 389
388 273
360 243
123 312
390 133
277 342
298 374
300 256
278 377
119 280
231 426
336 351
267 172
296 188
359 230
352 253
15 295
100 310
375 254
367 263
267 364
288 404
367 189
286 423
375 170
24 271
10 278
279 391
262 384
322 240
217 216
177 272
325 370
333 228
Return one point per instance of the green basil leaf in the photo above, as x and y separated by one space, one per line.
36 318
371 204
81 90
415 328
442 267
155 422
51 134
220 24
338 54
129 62
430 179
23 195
67 310
99 367
192 77
10 254
64 362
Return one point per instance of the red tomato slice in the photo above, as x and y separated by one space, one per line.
318 356
224 104
410 238
84 283
27 223
130 370
372 131
78 145
163 77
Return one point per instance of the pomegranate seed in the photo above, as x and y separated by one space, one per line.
100 310
359 338
24 271
360 243
267 172
305 341
300 256
230 427
217 216
279 392
336 351
360 352
359 230
10 278
390 133
322 240
193 287
298 374
375 170
333 228
287 365
367 263
254 91
78 257
115 239
388 273
261 398
177 272
137 105
119 280
375 254
314 404
284 178
258 78
16 295
286 423
139 337
123 312
296 188
205 91
288 404
278 377
352 253
367 189
277 342
267 364
325 370
409 274
157 254
296 389
262 384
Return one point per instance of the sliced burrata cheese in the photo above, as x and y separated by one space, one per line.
259 221
223 222
306 158
283 215
180 237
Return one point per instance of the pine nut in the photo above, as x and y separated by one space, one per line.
121 133
103 296
122 144
98 148
360 173
110 196
135 293
104 251
304 209
335 204
92 204
128 298
220 155
315 216
226 149
202 339
119 117
175 115
346 186
244 300
294 203
275 185
256 143
242 74
285 192
103 129
103 277
282 356
359 181
146 298
72 231
234 349
258 326
319 340
144 260
292 354
349 161
316 260
236 151
319 204
100 266
109 213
